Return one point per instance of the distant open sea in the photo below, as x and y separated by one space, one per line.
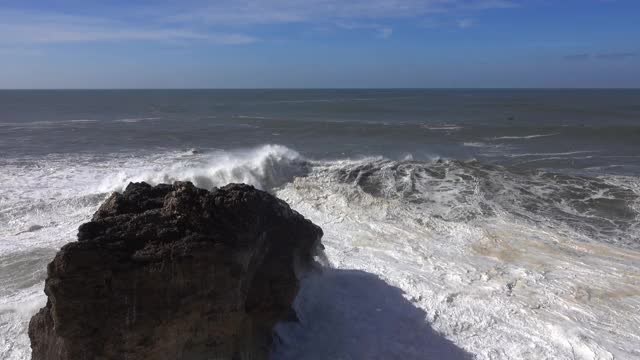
509 219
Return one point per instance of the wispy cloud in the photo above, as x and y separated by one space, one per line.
385 32
292 11
19 27
602 56
465 23
225 21
19 51
617 55
382 31
577 57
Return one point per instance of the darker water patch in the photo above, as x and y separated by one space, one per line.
352 314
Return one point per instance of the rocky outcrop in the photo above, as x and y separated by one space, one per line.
175 272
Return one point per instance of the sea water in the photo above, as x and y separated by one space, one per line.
489 224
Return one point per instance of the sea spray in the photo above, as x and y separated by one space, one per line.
491 255
265 167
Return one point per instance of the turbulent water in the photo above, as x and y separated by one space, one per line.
458 224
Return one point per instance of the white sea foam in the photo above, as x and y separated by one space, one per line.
266 167
566 153
83 121
500 289
45 123
135 120
526 137
57 193
442 127
15 312
251 117
426 258
476 144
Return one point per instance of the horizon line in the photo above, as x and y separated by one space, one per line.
318 88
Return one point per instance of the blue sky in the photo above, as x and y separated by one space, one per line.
319 43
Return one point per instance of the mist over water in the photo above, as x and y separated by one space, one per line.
487 224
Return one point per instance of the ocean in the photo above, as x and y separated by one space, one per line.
488 224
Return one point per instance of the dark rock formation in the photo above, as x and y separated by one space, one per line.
175 272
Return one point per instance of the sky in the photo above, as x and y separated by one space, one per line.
59 44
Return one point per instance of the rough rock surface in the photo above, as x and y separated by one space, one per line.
175 272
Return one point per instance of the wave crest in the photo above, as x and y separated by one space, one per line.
462 191
267 167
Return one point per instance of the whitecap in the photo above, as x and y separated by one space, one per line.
567 153
482 255
266 167
135 120
442 127
250 117
497 276
526 137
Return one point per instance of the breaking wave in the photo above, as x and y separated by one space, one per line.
463 255
507 265
266 168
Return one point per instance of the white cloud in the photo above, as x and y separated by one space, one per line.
41 28
225 21
19 51
260 12
382 31
385 32
465 23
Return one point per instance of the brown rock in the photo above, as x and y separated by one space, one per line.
175 272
